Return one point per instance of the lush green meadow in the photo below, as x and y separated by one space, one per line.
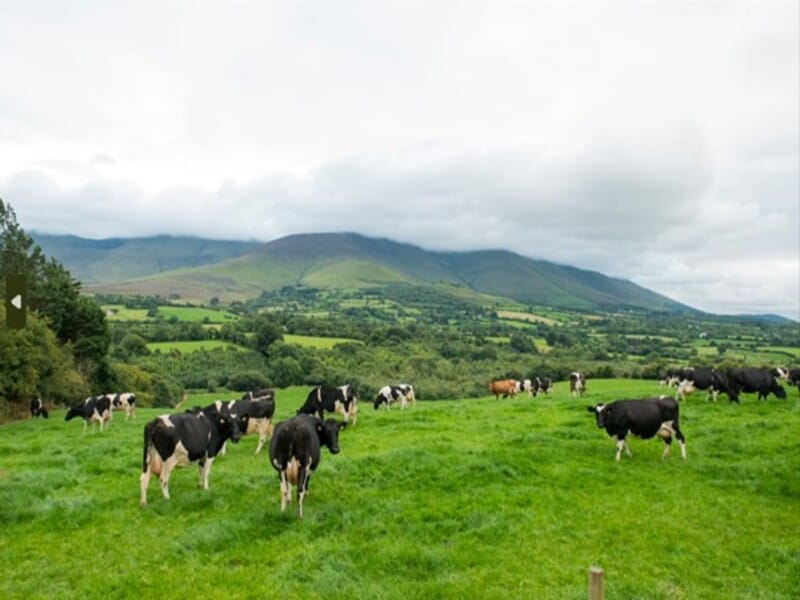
313 341
453 499
189 346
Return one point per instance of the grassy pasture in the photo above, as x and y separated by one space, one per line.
192 314
324 343
470 498
186 347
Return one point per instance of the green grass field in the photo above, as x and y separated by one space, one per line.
192 314
451 499
187 347
323 343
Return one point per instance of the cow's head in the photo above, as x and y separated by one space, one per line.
601 413
328 432
778 390
228 425
380 399
75 411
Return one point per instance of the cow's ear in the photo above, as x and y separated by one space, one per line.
591 409
342 425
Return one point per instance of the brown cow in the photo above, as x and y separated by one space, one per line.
506 387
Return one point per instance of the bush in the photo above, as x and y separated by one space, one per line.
248 380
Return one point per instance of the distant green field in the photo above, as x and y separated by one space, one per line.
190 346
452 499
782 350
324 343
196 315
526 316
118 312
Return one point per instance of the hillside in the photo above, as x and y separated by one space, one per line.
198 269
120 259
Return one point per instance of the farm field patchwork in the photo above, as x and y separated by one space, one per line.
452 499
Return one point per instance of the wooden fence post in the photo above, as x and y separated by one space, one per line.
595 583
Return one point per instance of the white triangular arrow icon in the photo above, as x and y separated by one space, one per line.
16 301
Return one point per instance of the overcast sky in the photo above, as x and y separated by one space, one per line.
655 141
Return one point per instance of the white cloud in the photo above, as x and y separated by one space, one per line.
655 141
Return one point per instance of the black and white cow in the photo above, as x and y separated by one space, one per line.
781 373
577 383
793 378
332 399
673 376
643 418
294 452
124 401
93 409
701 378
544 385
389 394
257 408
176 440
38 409
753 380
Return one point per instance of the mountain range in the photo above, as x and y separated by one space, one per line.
197 269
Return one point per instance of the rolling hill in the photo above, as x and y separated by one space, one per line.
200 269
120 259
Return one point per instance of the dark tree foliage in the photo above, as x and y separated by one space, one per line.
77 321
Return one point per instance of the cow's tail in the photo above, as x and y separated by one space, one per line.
150 456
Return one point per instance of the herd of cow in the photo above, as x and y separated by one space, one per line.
200 434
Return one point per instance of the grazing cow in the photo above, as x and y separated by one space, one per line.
702 378
333 399
643 418
257 409
94 408
176 440
753 380
125 401
544 385
781 373
504 387
577 383
674 376
294 451
794 378
38 409
389 394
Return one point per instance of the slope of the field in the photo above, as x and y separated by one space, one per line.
451 499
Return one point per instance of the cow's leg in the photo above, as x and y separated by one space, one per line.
144 482
667 445
286 490
620 442
166 469
302 487
262 436
205 471
680 438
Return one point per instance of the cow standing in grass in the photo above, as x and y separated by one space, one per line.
331 399
577 384
643 418
176 440
390 394
95 409
294 451
38 409
505 388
